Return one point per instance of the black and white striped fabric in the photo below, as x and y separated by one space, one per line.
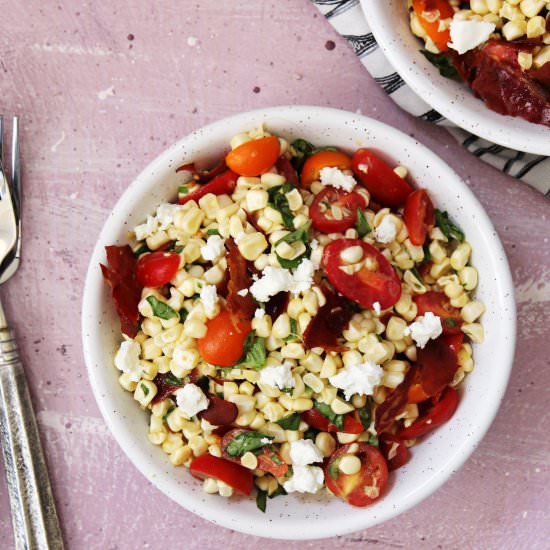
346 16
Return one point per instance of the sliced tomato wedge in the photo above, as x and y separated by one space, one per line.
316 420
430 13
376 281
220 412
437 364
242 307
437 415
394 450
439 305
323 159
254 157
157 269
367 485
236 476
418 216
384 185
334 210
224 184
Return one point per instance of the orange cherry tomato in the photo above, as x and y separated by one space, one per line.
430 13
224 340
254 157
323 159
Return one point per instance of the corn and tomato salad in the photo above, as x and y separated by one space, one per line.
296 320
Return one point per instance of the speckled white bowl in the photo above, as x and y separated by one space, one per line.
433 461
389 22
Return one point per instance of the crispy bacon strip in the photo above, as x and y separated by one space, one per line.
239 279
164 390
277 304
386 412
437 364
203 175
120 274
285 168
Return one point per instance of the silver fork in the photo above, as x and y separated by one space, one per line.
35 522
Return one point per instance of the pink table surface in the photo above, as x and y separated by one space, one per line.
102 88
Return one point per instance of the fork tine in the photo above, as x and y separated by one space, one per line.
15 165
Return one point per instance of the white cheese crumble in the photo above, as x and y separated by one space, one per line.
304 452
386 231
213 248
358 379
377 308
166 213
209 298
424 328
305 479
146 229
336 178
191 400
243 292
467 35
259 313
279 376
127 359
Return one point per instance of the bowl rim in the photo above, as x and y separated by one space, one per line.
261 527
512 132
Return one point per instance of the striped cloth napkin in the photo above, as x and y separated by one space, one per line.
346 16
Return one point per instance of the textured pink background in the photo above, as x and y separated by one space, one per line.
96 106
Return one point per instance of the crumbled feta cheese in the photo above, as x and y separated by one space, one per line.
209 298
279 376
213 248
424 328
377 308
358 379
259 313
166 213
146 229
305 479
316 253
467 35
243 292
127 359
191 400
266 441
386 231
304 452
303 277
336 178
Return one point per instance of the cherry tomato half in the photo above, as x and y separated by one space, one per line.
430 13
384 185
438 304
224 340
254 157
376 281
442 411
236 476
418 216
323 159
224 184
394 450
316 420
323 216
364 487
157 268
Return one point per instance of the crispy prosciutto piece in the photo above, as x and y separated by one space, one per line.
326 327
437 364
285 168
203 175
120 274
220 412
239 279
495 76
166 386
277 304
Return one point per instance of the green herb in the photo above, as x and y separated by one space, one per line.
212 232
170 409
171 380
254 354
161 309
261 500
321 149
302 149
278 201
373 440
274 457
333 471
278 492
183 314
144 389
362 224
287 390
451 323
298 235
448 228
290 422
311 433
178 249
380 339
141 250
247 441
442 62
203 383
328 413
308 392
414 271
293 331
427 253
183 190
365 415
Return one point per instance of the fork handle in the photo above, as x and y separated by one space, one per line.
35 522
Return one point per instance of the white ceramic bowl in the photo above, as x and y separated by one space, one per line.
433 461
389 22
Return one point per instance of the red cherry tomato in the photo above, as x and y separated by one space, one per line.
439 305
322 215
224 340
316 420
224 184
442 411
418 216
323 159
157 268
430 13
394 450
384 185
236 476
376 281
367 485
254 157
220 412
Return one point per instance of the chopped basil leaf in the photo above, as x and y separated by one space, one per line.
144 389
183 314
414 271
308 392
183 190
287 390
278 492
141 250
254 354
290 422
300 234
311 433
442 62
246 441
451 323
320 149
178 249
161 309
261 500
302 149
448 228
373 440
365 415
278 201
212 232
362 225
293 331
329 414
203 383
170 409
171 380
333 471
427 253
